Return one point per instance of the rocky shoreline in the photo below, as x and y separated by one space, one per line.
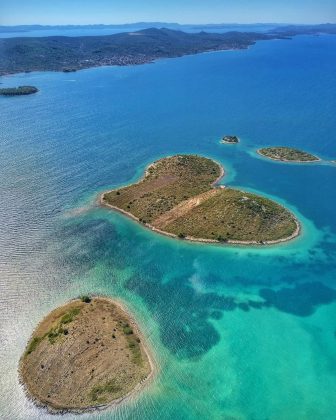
102 201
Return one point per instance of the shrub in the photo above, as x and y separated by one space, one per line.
52 335
33 344
85 299
127 330
69 316
109 388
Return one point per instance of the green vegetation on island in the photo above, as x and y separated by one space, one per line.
177 197
230 139
62 53
287 154
16 91
85 354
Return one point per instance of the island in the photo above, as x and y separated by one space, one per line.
287 154
69 70
56 53
16 91
86 354
230 140
178 197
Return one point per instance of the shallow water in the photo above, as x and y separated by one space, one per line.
237 332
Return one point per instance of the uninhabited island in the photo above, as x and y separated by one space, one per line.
178 197
230 140
86 354
17 91
287 154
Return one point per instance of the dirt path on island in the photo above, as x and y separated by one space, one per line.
182 209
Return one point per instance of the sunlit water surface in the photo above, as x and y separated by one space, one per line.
237 333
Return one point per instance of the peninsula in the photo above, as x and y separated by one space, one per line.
178 197
85 354
230 140
287 154
62 53
17 91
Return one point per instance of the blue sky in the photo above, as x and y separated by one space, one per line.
13 12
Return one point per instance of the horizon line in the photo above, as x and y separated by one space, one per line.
167 23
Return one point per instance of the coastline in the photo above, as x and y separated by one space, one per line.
151 60
125 61
103 203
223 141
55 409
289 161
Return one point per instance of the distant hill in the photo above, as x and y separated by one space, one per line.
63 53
141 25
327 28
60 53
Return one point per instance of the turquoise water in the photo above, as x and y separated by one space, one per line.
237 332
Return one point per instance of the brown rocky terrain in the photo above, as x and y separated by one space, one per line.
85 354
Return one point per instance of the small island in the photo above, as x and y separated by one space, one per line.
178 197
17 91
287 154
85 354
230 140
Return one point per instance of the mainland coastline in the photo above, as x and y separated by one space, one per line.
121 49
295 230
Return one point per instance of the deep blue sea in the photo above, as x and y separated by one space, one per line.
239 333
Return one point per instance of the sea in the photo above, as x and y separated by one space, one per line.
237 333
94 30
